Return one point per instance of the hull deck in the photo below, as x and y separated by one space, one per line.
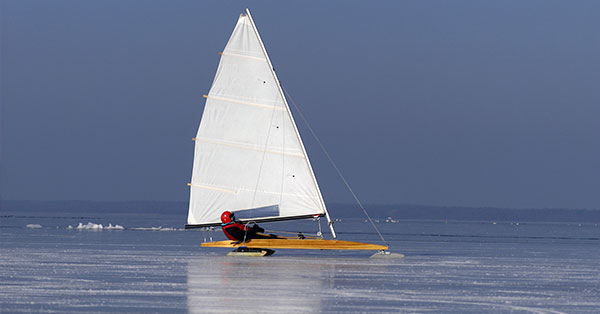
302 244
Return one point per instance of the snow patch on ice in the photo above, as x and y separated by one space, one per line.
96 227
34 226
93 226
115 227
160 228
89 226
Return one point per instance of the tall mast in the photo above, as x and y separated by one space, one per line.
287 108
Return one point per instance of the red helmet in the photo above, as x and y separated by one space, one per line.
227 217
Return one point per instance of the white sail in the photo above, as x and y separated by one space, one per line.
249 157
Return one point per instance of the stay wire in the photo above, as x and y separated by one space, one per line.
333 163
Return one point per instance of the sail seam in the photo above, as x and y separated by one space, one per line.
234 190
246 147
229 54
244 102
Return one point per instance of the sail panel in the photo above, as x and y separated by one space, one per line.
247 153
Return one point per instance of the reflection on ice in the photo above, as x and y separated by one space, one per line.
305 283
242 284
300 284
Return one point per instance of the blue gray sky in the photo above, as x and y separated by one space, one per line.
465 103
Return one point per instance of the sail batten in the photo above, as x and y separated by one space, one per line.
249 147
242 102
248 152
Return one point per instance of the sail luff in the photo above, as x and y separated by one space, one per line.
287 107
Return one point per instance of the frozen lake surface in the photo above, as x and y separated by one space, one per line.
152 265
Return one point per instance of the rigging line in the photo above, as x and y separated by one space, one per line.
333 163
282 156
262 161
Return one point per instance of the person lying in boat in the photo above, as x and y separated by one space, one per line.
236 231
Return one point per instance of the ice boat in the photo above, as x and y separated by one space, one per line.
249 157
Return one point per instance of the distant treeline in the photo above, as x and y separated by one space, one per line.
155 207
397 212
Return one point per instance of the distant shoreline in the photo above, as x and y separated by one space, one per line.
397 212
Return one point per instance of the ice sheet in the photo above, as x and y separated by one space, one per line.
448 268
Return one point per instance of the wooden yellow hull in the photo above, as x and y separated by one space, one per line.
300 244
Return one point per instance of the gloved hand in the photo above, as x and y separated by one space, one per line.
256 228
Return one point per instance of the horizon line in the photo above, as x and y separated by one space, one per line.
329 203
